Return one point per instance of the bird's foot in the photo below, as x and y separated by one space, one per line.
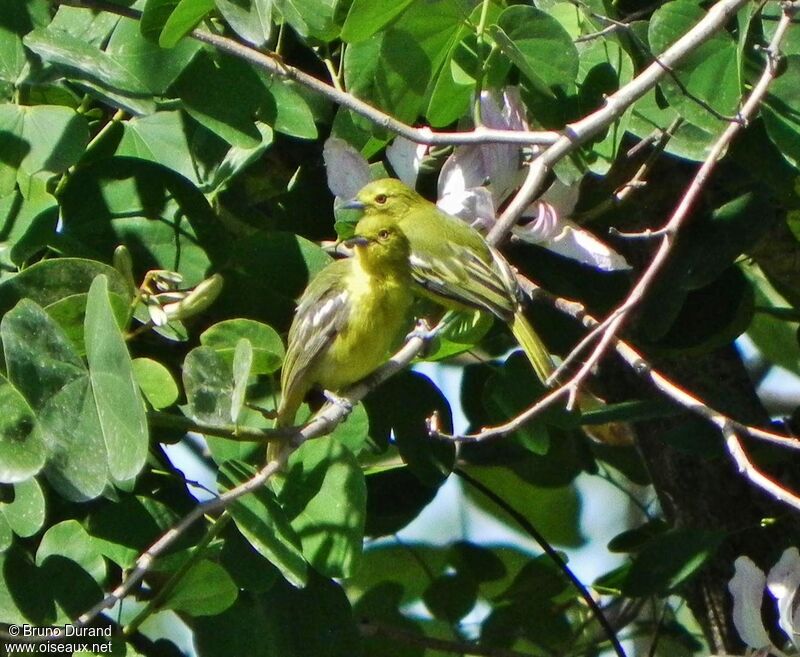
423 331
342 402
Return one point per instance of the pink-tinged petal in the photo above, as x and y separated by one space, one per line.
346 168
562 197
474 206
783 582
406 157
566 238
747 588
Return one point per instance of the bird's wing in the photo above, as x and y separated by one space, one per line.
322 313
452 262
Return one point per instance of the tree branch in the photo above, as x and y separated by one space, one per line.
321 424
272 63
616 104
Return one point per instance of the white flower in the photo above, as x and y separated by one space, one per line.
747 588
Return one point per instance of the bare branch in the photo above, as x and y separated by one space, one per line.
616 104
272 63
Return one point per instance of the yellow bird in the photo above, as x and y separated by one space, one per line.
453 265
350 317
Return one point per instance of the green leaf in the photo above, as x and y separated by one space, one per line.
451 596
48 281
25 595
268 350
776 339
632 540
159 138
16 23
324 496
224 95
553 511
461 335
397 69
538 44
25 514
353 433
780 111
710 73
154 68
119 405
27 138
242 363
366 17
248 568
430 460
162 218
155 382
309 17
123 530
205 590
315 621
79 58
251 19
670 559
289 112
29 221
208 381
22 447
70 540
45 367
263 523
183 19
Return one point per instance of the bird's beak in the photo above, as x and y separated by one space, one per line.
356 240
352 204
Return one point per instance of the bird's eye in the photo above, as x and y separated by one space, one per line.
384 234
380 199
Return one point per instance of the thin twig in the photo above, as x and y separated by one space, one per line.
273 64
330 416
615 106
553 555
613 323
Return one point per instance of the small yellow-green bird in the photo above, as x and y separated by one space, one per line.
452 263
350 316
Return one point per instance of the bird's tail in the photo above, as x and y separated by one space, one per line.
284 418
532 345
612 433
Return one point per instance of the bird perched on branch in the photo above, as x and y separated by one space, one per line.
452 264
349 317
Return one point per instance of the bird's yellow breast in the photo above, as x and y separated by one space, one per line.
379 314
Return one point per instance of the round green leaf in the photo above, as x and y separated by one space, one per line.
70 540
324 496
538 44
268 350
156 382
710 73
205 590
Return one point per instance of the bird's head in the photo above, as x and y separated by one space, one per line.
386 197
379 241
